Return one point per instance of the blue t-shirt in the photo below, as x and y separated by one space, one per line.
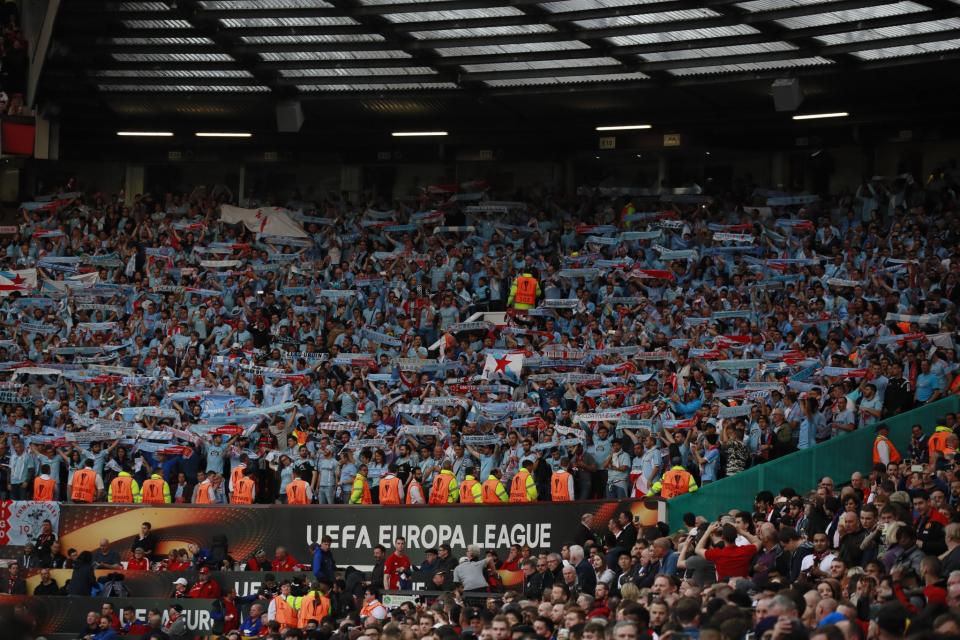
709 473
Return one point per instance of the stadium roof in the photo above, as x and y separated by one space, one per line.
397 56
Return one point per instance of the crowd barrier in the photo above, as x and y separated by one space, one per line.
838 458
355 530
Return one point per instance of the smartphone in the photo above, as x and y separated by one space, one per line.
917 468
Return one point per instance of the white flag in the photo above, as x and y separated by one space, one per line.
506 364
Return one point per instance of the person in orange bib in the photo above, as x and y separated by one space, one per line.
391 489
493 491
445 487
124 489
524 292
245 490
298 490
523 488
86 484
282 609
561 483
315 605
470 490
44 487
415 493
883 450
155 490
937 442
674 482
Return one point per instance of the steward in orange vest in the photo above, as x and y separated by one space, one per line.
282 610
561 483
124 489
415 493
391 489
244 490
445 487
155 490
315 605
239 471
298 491
493 491
524 292
522 487
44 487
83 487
938 441
470 491
887 451
203 492
674 482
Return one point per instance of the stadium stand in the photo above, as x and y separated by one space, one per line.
362 320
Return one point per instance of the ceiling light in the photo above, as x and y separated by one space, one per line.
146 134
707 152
639 155
623 127
817 116
416 134
223 134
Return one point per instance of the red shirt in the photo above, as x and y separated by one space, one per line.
287 564
138 565
393 567
731 561
209 589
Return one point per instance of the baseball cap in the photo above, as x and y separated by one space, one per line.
182 581
204 569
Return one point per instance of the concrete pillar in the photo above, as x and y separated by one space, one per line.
663 173
778 170
350 179
133 182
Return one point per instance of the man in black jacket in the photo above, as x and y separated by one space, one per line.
851 537
794 545
537 578
48 586
897 398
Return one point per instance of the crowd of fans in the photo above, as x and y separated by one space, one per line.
153 353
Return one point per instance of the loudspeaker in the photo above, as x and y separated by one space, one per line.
786 94
289 116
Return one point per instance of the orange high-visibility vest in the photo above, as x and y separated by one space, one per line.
419 487
153 492
313 606
121 490
84 487
489 491
440 492
937 443
286 615
560 486
390 490
43 489
518 487
894 454
243 491
466 490
526 290
674 483
203 493
297 491
236 473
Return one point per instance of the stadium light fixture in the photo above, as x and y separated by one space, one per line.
223 134
819 116
418 134
624 127
145 134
